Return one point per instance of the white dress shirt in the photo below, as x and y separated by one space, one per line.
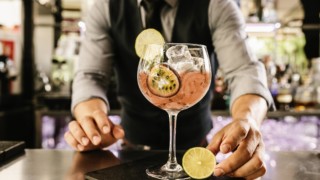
243 72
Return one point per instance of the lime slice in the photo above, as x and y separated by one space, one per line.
198 162
147 36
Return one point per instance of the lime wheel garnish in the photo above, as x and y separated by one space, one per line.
145 37
199 162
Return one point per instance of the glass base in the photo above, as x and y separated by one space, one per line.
167 171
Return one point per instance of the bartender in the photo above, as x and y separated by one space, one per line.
113 25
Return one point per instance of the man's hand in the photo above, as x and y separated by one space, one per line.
92 128
242 137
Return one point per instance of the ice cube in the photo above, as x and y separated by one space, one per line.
182 66
181 59
198 62
196 52
178 53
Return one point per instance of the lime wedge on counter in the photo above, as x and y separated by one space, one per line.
198 162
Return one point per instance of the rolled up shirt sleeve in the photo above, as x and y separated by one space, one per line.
94 68
243 73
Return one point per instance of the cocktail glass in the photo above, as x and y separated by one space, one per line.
173 77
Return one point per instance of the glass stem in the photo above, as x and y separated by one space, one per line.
172 164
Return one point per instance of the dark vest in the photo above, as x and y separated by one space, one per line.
144 123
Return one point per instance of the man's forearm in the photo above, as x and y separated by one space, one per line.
249 106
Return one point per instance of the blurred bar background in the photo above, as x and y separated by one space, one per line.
39 47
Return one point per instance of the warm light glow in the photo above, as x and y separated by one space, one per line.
82 26
262 27
10 13
273 163
277 25
44 2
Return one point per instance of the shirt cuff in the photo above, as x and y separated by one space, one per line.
249 84
84 90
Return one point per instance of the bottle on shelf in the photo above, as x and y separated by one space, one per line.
307 95
251 10
220 96
304 96
316 80
284 97
269 13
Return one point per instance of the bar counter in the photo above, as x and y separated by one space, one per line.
41 164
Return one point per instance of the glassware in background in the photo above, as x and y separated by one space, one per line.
173 77
61 76
307 95
251 9
8 73
64 62
221 97
304 96
284 96
269 13
42 82
316 79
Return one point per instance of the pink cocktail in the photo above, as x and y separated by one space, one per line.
194 86
173 77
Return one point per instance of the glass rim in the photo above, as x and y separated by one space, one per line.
188 44
173 43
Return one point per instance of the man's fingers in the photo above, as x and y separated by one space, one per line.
117 132
77 133
101 118
257 174
71 140
238 132
106 126
242 155
215 143
89 127
229 138
254 165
